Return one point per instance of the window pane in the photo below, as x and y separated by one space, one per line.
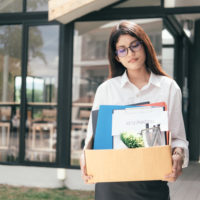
167 37
39 5
9 6
10 60
91 69
168 60
10 68
41 138
187 22
181 3
41 93
43 64
136 3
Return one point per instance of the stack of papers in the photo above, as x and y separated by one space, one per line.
148 121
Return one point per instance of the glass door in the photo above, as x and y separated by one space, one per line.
41 93
10 68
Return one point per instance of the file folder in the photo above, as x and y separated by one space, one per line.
103 121
103 134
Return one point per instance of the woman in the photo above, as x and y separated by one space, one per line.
136 76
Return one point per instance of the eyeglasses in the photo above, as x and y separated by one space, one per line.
135 46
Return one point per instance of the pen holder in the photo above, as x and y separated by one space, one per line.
151 136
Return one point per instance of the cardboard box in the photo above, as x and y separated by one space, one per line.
137 164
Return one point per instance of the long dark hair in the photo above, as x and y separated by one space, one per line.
134 30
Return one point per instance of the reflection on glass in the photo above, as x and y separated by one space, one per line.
9 6
10 60
41 93
17 93
187 22
167 37
39 5
168 60
136 3
181 3
91 69
9 133
43 61
37 89
34 89
41 138
168 52
10 67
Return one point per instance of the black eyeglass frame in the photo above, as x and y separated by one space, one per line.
139 43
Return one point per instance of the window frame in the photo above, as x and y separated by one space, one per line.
27 20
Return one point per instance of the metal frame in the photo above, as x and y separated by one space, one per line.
137 12
65 94
23 94
23 102
194 96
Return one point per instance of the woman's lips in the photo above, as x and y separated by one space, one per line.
132 60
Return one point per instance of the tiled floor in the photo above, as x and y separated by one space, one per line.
187 187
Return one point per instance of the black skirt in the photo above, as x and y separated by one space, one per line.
137 190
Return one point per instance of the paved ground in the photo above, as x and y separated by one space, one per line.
187 187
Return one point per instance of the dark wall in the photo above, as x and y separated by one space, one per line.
194 96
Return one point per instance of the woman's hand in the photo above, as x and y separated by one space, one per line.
84 174
177 160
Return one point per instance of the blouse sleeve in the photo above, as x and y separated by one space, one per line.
176 124
98 100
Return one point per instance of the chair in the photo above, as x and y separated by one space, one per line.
84 114
5 135
49 115
45 133
5 113
5 116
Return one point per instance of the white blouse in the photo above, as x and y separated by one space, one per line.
120 91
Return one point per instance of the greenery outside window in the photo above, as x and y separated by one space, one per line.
11 6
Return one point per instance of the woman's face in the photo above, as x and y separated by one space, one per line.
130 52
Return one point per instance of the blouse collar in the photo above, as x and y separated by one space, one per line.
154 79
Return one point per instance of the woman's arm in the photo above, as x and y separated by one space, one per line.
177 159
88 145
98 100
176 126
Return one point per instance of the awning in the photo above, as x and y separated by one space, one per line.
65 11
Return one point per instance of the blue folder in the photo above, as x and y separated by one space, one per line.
103 135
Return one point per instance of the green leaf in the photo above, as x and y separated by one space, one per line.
131 140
